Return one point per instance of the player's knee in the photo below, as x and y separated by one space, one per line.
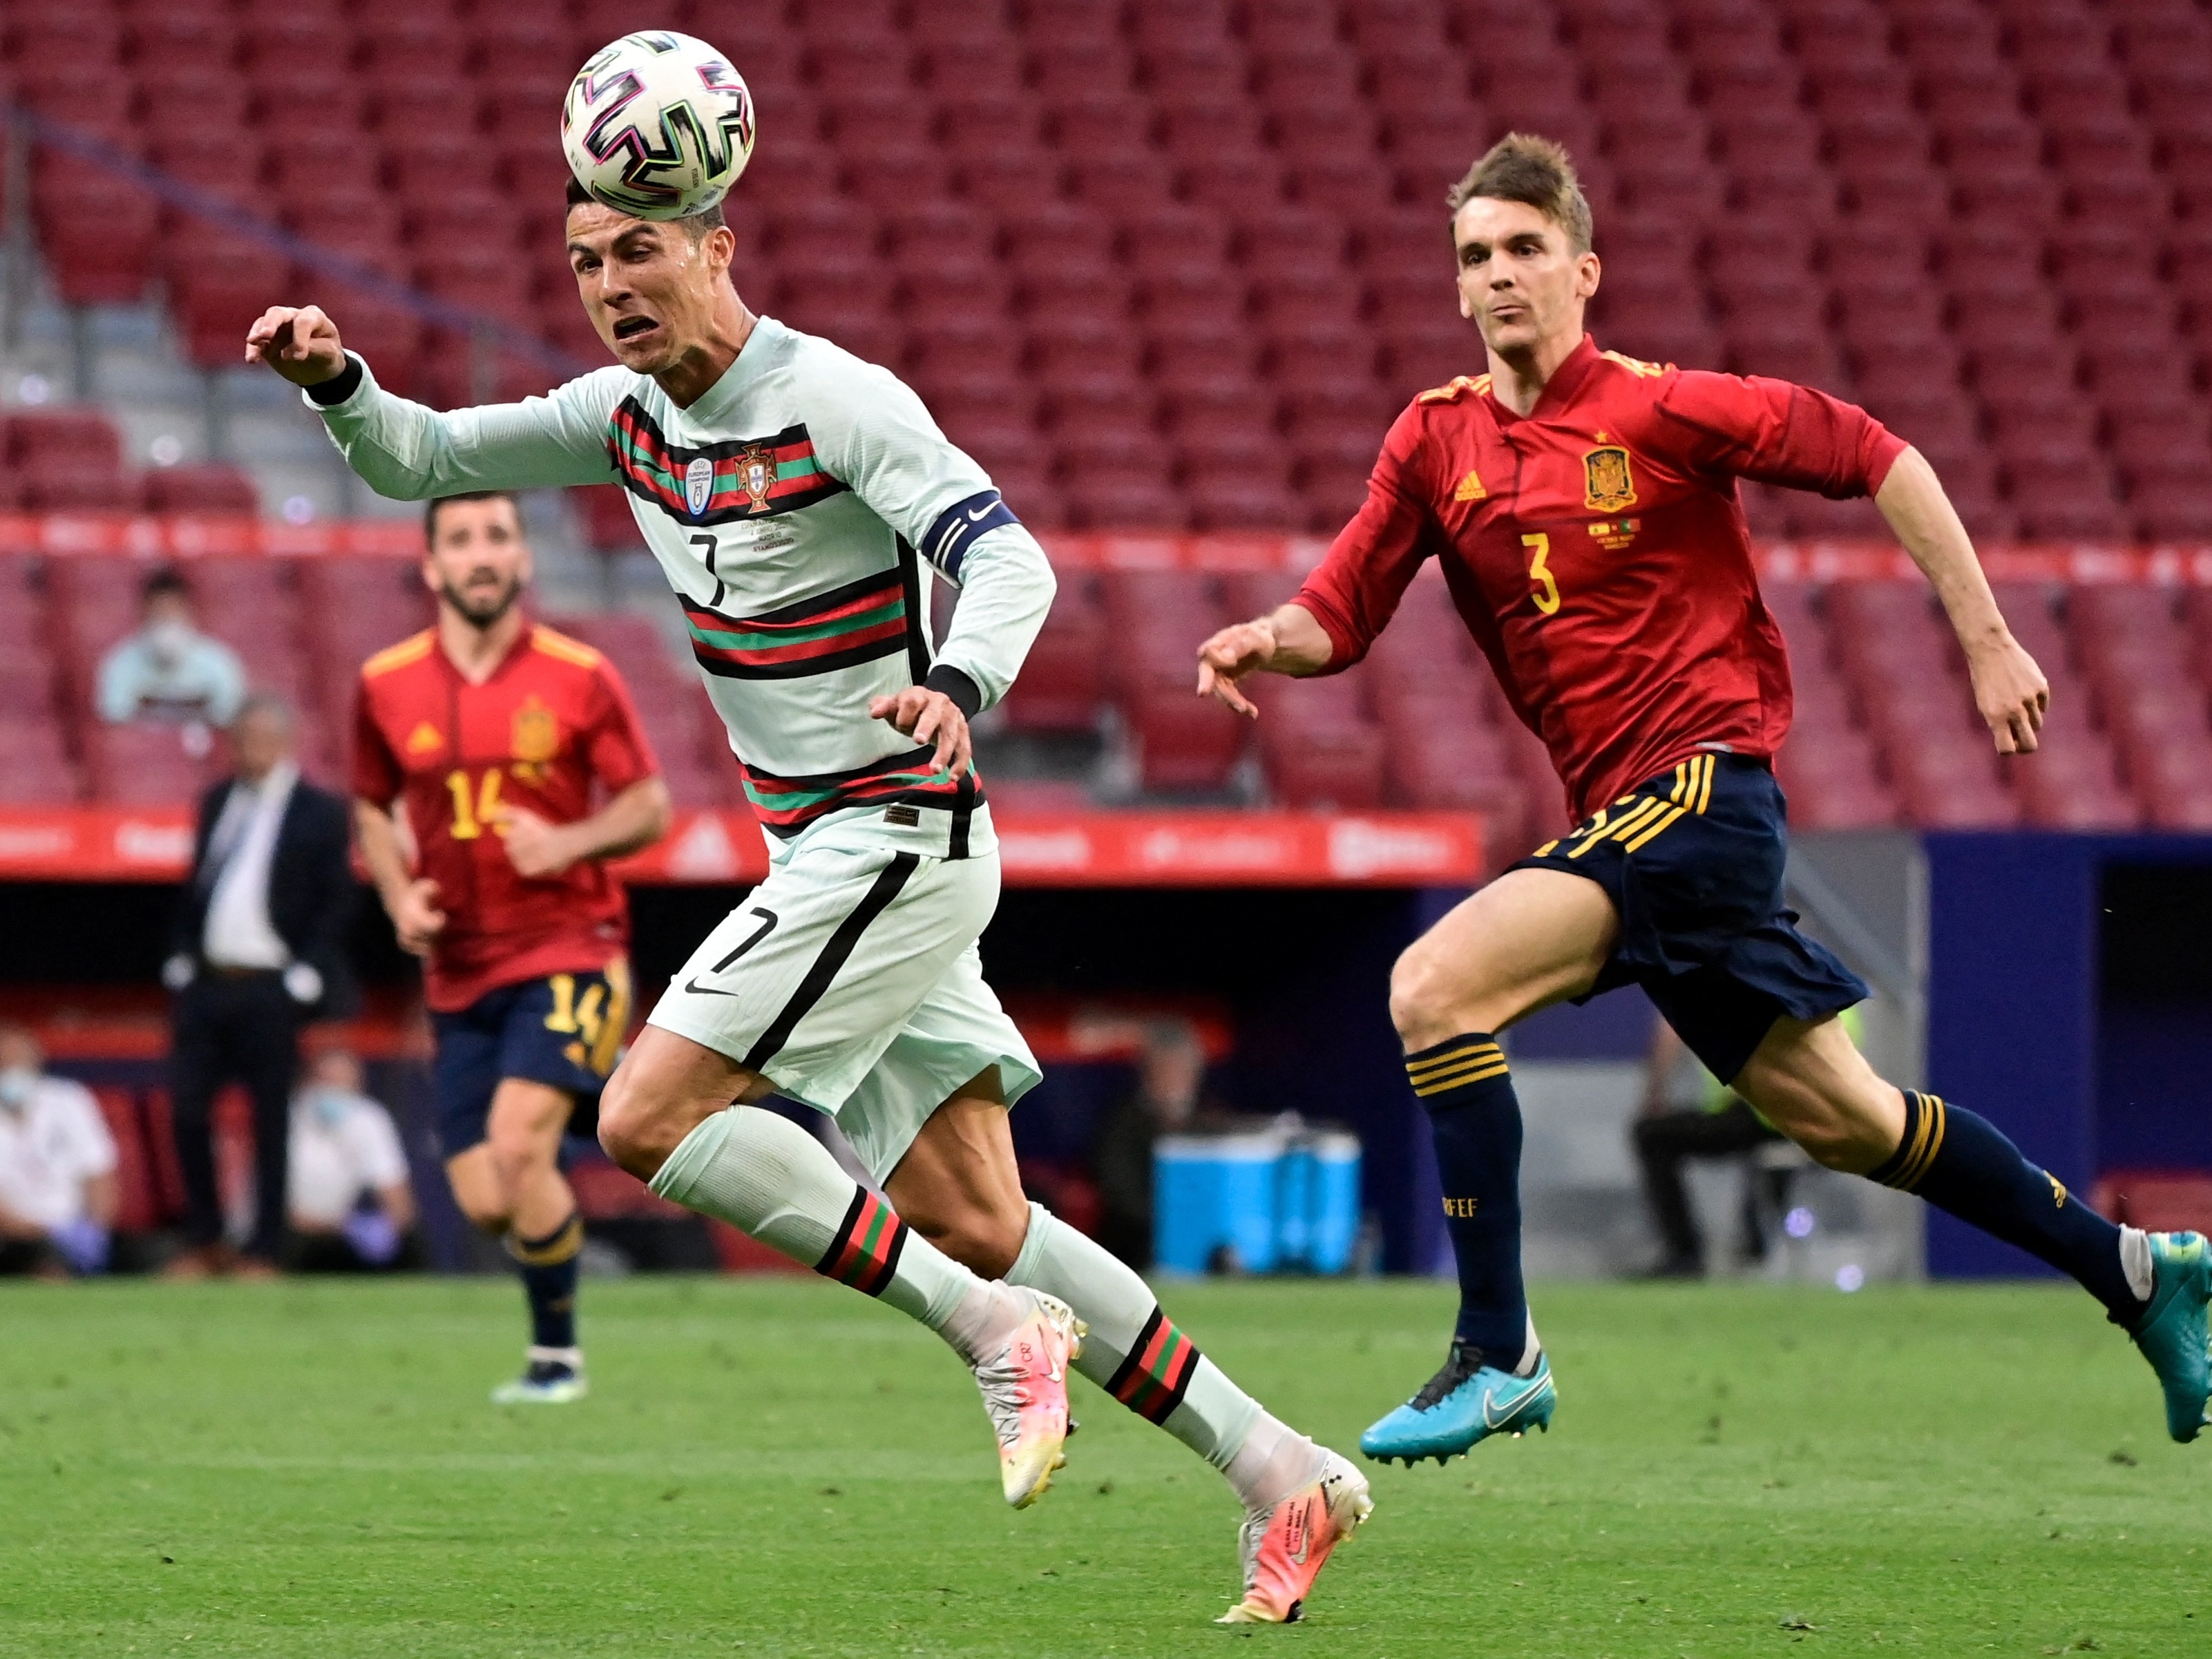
625 1118
1421 997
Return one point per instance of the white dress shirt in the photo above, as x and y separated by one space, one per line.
238 933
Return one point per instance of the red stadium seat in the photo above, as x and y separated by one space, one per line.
1319 747
217 488
142 766
1062 686
34 769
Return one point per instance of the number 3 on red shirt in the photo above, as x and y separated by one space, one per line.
1547 596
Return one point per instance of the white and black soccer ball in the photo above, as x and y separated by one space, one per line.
657 125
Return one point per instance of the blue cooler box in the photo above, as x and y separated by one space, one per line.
1279 1199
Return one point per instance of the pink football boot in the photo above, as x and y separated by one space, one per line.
1284 1547
1025 1384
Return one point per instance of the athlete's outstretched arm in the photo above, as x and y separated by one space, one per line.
408 451
1287 641
1351 594
2009 690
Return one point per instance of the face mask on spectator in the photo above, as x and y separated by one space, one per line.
169 639
16 1085
328 1104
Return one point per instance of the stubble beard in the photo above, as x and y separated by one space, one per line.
481 613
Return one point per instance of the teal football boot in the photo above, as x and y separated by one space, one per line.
545 1383
1465 1402
2172 1336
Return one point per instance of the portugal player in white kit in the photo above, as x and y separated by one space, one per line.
791 494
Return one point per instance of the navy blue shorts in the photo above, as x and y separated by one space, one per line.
565 1031
1692 862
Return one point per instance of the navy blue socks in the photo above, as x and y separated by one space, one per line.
1476 1122
548 1279
1963 1165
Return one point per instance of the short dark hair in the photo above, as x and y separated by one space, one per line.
696 225
167 580
1536 171
430 511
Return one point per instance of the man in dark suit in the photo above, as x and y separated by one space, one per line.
258 950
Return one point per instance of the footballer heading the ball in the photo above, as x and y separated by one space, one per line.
658 125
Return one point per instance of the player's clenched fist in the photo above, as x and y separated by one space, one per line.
299 342
416 917
1229 656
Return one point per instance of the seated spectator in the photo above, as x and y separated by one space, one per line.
1689 1112
168 670
352 1205
1169 1099
58 1185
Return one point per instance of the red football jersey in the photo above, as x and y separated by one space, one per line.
552 720
1597 552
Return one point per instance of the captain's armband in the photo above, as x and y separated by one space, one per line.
958 525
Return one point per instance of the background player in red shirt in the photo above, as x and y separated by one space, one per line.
1584 508
491 734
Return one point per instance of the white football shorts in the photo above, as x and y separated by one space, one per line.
851 979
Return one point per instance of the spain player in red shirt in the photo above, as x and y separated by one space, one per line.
1583 506
490 735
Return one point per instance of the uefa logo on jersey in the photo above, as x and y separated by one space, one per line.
756 472
698 485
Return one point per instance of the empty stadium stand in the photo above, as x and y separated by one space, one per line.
1174 264
1885 735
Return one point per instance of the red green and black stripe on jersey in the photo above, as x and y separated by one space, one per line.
857 622
1152 1380
787 806
865 1251
651 467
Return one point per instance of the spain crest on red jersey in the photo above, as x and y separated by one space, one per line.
1607 486
534 734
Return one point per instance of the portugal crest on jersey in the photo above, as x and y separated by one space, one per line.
1607 486
756 473
698 485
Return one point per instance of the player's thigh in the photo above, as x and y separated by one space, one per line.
957 1045
465 1070
563 1032
958 1184
1808 1079
808 981
1526 940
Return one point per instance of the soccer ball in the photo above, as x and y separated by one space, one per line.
658 125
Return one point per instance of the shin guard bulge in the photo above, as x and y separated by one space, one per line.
1475 1121
1964 1166
769 1178
1134 1350
549 1266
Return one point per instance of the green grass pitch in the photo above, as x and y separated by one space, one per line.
773 1466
